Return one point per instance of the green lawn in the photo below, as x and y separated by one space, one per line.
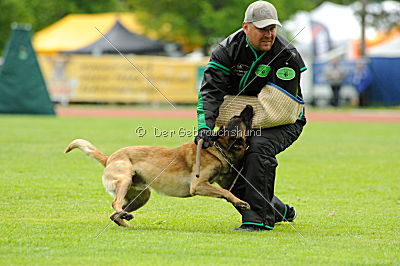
343 178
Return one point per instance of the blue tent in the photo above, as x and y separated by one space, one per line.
385 69
385 86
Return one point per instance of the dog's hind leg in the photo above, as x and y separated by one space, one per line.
136 197
115 217
121 188
118 176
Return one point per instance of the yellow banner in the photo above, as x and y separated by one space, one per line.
112 79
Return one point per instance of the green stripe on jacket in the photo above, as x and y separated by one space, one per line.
201 117
215 65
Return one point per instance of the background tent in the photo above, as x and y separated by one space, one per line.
339 28
342 22
385 65
389 48
327 31
22 87
77 33
124 41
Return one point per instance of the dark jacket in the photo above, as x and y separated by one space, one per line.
233 66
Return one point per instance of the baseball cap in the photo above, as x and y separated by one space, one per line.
261 14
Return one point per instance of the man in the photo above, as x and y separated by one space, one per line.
335 75
361 80
254 52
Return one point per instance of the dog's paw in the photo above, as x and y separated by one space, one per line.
126 216
118 218
242 205
114 217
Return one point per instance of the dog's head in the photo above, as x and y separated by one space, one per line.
233 135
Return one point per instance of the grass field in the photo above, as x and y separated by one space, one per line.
343 178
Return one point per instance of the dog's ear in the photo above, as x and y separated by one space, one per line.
247 115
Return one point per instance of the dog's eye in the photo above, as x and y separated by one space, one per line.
239 142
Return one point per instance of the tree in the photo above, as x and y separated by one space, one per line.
11 11
201 23
41 13
192 22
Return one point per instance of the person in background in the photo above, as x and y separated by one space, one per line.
334 74
361 80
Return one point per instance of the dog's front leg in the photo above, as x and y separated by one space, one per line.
204 188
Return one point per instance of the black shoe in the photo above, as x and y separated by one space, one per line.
250 228
291 214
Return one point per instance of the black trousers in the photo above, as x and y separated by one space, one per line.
363 99
259 169
335 95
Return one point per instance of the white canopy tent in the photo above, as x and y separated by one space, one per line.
390 48
344 27
342 22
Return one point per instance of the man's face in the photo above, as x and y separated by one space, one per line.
261 39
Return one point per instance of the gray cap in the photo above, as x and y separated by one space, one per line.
261 14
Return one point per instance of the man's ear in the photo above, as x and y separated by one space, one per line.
245 27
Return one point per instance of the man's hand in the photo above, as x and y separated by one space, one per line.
206 135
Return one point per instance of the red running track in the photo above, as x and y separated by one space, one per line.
389 116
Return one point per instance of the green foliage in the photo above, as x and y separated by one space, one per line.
204 22
54 10
341 177
207 21
11 11
40 13
382 19
200 22
197 23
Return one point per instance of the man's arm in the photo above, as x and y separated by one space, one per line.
215 86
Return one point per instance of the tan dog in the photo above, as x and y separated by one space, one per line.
130 172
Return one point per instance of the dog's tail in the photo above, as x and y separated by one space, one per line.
89 149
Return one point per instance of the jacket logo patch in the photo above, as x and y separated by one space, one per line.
286 73
240 69
263 70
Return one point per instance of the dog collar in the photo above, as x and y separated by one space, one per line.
221 151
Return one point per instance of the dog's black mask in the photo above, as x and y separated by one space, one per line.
236 131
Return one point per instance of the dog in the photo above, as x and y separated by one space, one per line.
131 171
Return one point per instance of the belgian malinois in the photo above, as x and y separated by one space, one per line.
131 171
